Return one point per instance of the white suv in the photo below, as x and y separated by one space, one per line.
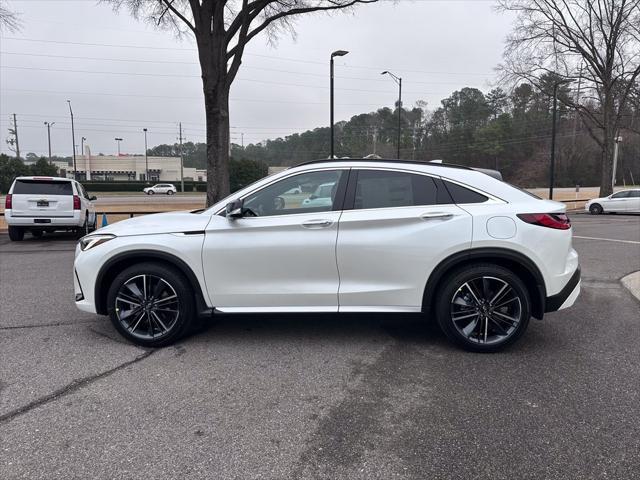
167 188
478 254
46 204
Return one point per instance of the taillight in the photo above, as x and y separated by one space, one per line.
7 202
76 202
559 221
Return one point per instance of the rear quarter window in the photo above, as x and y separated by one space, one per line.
42 187
460 194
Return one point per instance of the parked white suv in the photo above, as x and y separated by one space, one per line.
46 204
477 253
166 188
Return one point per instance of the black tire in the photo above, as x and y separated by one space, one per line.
84 229
16 234
485 280
151 333
151 192
94 225
595 209
170 192
37 233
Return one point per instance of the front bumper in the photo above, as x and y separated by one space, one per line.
567 296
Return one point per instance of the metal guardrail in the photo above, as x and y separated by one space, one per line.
149 212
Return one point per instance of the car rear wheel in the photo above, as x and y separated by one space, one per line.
151 304
595 209
483 307
16 234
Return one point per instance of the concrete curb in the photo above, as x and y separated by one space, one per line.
632 283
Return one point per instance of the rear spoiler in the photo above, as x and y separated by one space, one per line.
492 173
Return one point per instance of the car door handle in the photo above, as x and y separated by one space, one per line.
436 216
317 223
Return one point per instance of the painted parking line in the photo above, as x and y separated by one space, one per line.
608 240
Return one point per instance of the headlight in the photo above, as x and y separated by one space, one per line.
91 241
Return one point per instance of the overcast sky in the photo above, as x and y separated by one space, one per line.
122 75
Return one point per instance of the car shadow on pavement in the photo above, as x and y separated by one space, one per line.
409 328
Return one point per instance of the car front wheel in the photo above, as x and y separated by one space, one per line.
170 192
151 304
483 307
150 192
595 209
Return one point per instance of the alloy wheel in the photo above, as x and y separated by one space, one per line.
147 306
486 310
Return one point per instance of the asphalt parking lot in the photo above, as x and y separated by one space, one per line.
335 397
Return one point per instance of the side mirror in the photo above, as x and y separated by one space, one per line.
234 209
313 197
93 197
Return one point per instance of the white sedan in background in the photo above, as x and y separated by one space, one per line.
166 188
624 201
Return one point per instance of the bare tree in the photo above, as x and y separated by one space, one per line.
222 29
594 41
9 20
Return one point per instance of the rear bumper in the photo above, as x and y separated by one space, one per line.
74 220
567 296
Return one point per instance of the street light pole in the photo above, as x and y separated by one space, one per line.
398 80
49 125
337 53
552 165
146 159
73 139
118 140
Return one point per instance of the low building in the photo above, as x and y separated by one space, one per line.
132 167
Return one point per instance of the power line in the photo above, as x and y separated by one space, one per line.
271 57
250 67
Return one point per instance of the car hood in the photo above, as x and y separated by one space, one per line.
601 199
170 222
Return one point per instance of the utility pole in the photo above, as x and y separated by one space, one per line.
242 140
552 165
49 125
398 80
15 134
146 159
73 139
181 161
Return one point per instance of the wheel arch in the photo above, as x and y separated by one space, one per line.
119 262
514 261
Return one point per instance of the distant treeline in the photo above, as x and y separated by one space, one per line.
510 132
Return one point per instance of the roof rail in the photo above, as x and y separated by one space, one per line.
384 160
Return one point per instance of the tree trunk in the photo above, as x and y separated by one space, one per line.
608 140
216 101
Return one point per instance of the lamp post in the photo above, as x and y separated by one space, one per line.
398 80
552 165
337 53
146 159
118 140
73 139
49 125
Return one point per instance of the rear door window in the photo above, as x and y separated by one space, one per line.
42 187
384 189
